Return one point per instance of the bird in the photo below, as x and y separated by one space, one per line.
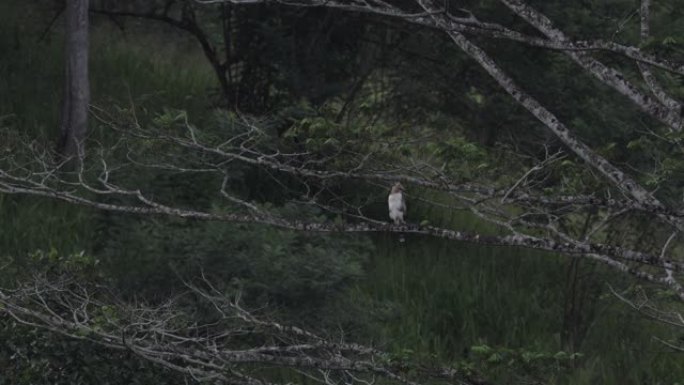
397 206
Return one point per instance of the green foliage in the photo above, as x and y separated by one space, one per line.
295 271
461 157
30 355
525 364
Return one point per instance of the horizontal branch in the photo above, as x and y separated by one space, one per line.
441 183
606 254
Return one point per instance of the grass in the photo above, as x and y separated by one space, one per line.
30 224
453 295
126 68
148 72
440 298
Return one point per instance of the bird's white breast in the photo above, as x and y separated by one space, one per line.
395 203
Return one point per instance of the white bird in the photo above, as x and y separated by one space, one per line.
397 204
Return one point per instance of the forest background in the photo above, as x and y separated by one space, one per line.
234 181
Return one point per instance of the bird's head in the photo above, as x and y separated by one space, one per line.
397 188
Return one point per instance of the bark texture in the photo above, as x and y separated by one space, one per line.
74 120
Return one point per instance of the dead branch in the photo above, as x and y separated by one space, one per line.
213 350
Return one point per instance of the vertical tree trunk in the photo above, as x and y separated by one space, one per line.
74 120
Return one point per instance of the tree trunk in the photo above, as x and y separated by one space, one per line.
74 120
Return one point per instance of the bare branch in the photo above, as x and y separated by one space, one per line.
202 351
646 73
607 75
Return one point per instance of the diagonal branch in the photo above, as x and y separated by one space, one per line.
607 75
646 72
472 26
621 180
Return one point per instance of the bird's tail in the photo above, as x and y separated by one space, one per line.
401 238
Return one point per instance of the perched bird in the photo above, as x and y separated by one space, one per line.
397 204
